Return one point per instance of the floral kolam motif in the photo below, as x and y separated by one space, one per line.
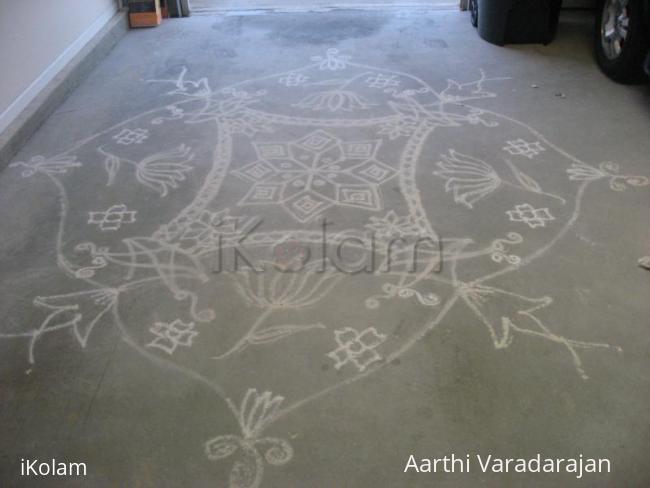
379 154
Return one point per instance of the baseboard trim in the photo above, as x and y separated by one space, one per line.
56 83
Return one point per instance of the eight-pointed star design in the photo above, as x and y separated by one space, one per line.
314 173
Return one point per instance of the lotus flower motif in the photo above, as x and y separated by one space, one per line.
470 179
165 170
160 171
276 287
334 101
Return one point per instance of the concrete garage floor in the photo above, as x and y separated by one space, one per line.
211 6
125 347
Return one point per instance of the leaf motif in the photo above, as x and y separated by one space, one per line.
526 181
112 165
407 109
501 311
79 312
221 447
279 451
275 333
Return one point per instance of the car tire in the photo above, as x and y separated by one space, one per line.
621 39
473 10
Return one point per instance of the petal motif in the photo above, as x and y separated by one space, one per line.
469 179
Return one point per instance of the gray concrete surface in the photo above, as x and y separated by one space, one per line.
208 6
125 347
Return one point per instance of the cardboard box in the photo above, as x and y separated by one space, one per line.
144 13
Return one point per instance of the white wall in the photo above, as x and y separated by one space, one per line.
37 39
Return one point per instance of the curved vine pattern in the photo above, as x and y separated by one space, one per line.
608 170
56 165
390 291
500 246
350 137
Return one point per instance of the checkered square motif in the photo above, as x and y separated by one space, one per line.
357 348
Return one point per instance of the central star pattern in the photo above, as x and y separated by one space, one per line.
317 172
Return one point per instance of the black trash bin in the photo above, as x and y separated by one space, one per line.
518 21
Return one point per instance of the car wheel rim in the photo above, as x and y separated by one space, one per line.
614 27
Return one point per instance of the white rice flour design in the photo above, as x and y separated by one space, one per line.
519 147
171 336
113 218
293 79
469 179
160 172
533 217
256 412
358 348
347 140
382 81
312 174
126 137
